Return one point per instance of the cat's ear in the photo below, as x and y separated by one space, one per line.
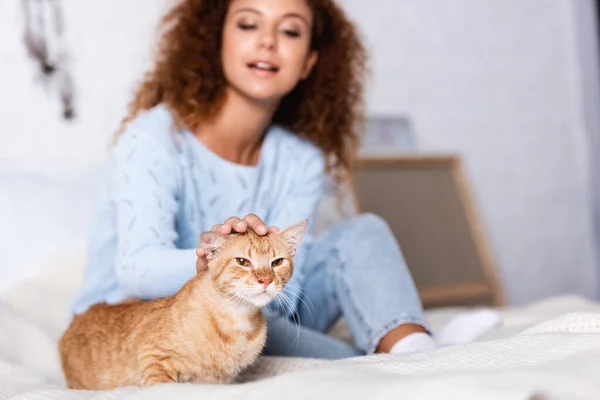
293 235
211 242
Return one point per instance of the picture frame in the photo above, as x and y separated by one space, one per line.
428 203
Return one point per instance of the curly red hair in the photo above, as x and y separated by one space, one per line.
326 108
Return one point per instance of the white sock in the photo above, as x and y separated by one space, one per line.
467 327
414 343
464 328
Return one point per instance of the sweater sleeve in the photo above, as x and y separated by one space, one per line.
145 193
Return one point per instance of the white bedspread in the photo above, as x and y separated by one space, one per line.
547 350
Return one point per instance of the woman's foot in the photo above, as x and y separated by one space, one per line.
464 328
397 334
414 343
468 327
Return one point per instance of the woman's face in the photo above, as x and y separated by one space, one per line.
266 47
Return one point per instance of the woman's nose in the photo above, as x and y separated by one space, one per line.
268 40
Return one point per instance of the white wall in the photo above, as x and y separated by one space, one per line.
49 169
587 33
109 43
496 80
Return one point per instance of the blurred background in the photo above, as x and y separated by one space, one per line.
510 86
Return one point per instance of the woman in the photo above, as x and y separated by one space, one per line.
249 105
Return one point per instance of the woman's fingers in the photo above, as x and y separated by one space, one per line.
256 224
234 224
201 261
237 224
224 229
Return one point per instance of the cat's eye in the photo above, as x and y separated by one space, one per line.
277 262
243 262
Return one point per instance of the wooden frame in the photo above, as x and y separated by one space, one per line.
439 186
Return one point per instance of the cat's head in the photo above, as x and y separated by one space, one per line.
252 267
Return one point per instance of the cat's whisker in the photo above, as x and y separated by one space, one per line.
281 307
293 308
240 300
237 299
294 313
307 307
226 304
232 296
298 288
284 304
279 304
301 292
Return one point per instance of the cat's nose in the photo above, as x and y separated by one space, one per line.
265 281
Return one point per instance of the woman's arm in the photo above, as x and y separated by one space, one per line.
145 192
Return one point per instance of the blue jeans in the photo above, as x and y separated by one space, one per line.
355 270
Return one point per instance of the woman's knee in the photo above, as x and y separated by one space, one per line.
370 220
368 236
357 239
366 225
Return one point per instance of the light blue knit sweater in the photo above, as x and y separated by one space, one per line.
165 188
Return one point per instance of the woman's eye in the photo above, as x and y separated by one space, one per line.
243 262
277 262
246 27
291 33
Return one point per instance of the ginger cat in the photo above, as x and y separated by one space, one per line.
208 332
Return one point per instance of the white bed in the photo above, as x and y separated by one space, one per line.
547 350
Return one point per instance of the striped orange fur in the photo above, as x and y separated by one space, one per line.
208 332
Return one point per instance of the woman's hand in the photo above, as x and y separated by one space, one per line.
235 224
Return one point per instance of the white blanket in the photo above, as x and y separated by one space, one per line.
548 350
